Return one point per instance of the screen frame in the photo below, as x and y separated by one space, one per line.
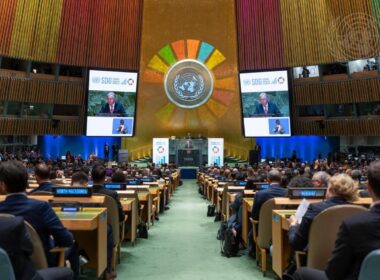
290 98
88 69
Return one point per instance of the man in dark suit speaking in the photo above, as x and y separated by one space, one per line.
112 107
265 107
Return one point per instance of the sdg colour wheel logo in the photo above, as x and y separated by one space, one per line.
196 79
160 149
215 149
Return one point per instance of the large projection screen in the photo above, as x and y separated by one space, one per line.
111 103
265 104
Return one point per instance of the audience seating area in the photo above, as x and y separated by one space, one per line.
272 249
141 204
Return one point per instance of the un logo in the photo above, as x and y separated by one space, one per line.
188 83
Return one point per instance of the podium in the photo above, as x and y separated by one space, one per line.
189 157
188 152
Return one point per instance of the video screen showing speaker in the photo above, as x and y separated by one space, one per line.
265 103
111 103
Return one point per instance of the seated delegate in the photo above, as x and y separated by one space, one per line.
14 181
80 179
274 190
341 190
358 235
320 179
42 173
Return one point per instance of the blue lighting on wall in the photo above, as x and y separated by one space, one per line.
307 147
55 146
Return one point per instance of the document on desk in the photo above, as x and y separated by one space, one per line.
301 210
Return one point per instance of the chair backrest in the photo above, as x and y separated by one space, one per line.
112 216
323 233
3 215
264 235
370 269
38 257
6 268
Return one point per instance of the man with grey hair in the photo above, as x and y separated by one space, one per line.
274 190
320 179
112 107
265 107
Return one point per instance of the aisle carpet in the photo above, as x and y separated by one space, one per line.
182 245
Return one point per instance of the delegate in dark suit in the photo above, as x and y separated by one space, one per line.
299 234
102 190
118 109
357 237
42 173
43 187
272 110
274 190
41 216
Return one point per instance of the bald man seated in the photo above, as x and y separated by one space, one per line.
42 173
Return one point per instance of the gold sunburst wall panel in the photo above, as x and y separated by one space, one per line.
203 33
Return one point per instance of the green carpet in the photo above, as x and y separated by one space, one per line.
182 245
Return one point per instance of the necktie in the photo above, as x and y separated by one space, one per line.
266 110
111 110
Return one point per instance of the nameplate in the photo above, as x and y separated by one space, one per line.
70 208
61 191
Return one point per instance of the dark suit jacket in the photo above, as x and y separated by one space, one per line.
299 235
43 187
42 217
118 109
102 190
357 237
15 240
262 196
272 110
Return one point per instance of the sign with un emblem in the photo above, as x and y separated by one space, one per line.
188 83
